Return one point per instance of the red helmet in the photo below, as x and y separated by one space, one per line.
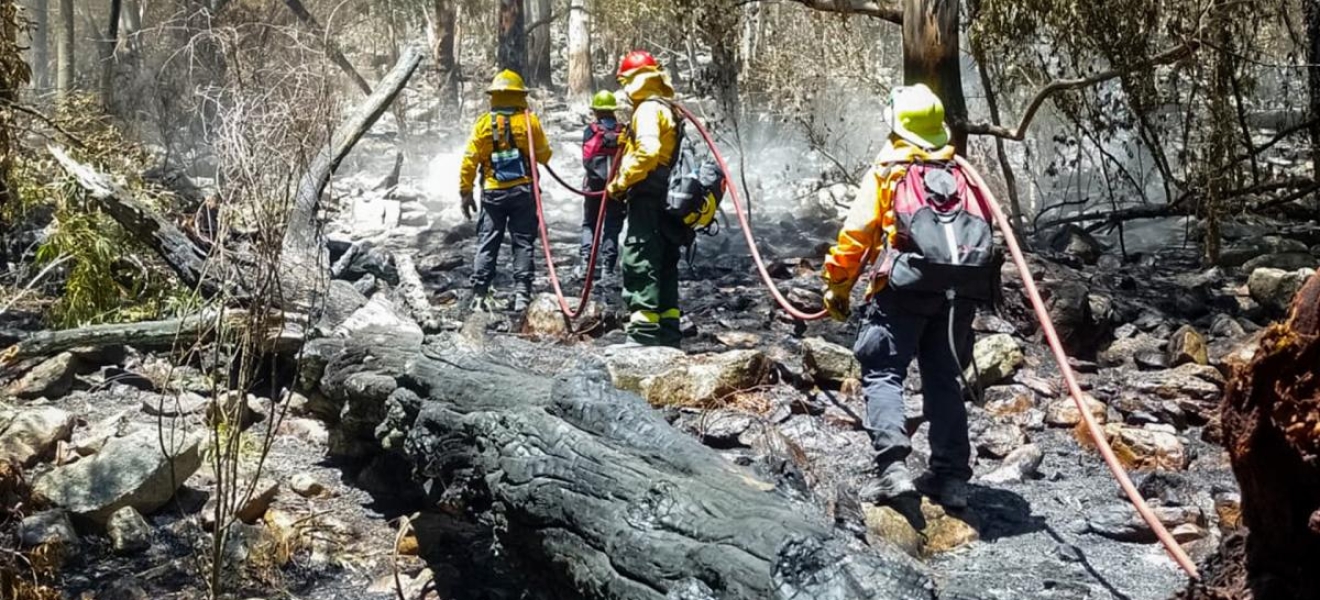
636 59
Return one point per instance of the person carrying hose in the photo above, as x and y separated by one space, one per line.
652 247
498 148
600 143
930 234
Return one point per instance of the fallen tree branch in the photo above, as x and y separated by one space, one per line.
147 335
1059 85
1181 204
331 48
305 267
169 241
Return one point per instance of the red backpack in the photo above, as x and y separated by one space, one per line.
598 152
945 240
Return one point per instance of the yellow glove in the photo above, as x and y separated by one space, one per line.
838 302
616 191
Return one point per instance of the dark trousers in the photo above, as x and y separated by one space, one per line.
609 243
513 210
651 252
899 326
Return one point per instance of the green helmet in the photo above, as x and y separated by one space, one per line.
604 100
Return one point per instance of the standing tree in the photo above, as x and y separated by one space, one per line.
1311 10
930 56
513 36
538 43
444 52
580 80
64 52
14 74
40 44
108 47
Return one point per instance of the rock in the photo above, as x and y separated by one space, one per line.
738 339
234 406
544 319
1228 507
1125 350
1075 241
629 367
1187 381
185 403
829 363
1009 402
311 431
91 441
1122 523
33 434
1019 465
708 380
1163 487
1274 288
128 471
1069 305
129 532
50 379
1063 412
884 524
1187 533
251 510
306 485
1000 439
1240 252
47 527
1147 448
945 532
996 358
719 428
1187 346
1287 261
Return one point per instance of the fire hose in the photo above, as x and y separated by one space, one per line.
1042 315
570 313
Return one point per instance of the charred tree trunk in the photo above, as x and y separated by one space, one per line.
41 45
930 56
512 21
64 51
108 48
445 53
1311 9
580 80
581 490
1271 416
539 69
305 265
12 77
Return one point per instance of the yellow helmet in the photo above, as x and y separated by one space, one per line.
507 81
918 116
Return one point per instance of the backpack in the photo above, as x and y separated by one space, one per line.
598 154
696 183
945 239
506 160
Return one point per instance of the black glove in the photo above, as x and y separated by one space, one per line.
469 204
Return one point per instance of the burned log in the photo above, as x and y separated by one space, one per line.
1271 420
584 490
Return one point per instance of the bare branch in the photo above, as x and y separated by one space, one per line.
869 8
1059 85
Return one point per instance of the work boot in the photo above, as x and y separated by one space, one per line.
949 492
482 301
891 483
521 301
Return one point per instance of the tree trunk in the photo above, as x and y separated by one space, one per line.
580 80
512 36
11 79
41 45
1311 9
108 47
538 44
65 62
131 22
1270 415
576 489
930 56
445 53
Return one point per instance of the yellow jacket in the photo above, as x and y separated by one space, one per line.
652 138
870 225
482 144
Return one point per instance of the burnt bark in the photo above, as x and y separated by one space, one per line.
1311 11
1271 416
930 56
512 29
147 335
444 52
108 48
583 490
